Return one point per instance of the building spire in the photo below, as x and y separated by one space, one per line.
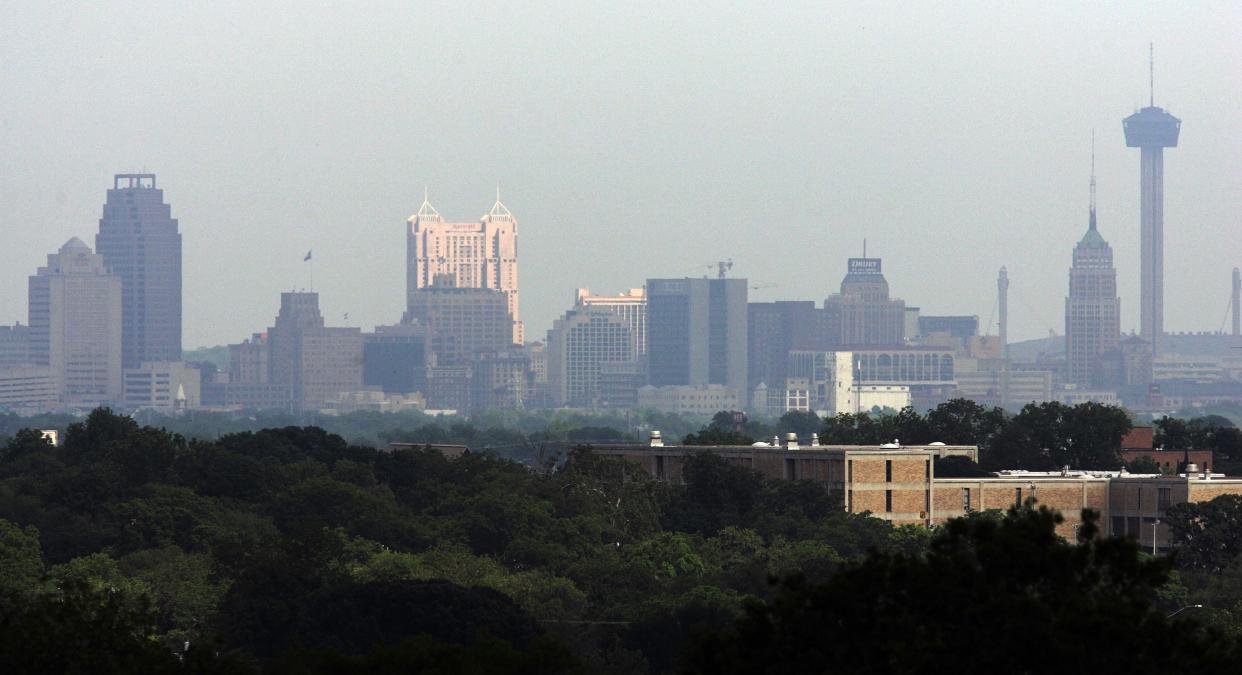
1151 73
499 212
427 210
1091 221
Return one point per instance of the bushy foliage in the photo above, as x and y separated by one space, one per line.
291 549
1040 437
294 547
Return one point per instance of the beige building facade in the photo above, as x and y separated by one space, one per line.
475 255
75 325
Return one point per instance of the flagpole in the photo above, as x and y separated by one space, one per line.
309 258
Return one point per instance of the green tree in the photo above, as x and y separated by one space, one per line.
803 423
964 422
716 494
987 588
26 442
1208 535
1142 464
712 435
21 558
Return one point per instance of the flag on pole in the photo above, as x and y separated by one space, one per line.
308 256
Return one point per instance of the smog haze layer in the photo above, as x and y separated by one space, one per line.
631 141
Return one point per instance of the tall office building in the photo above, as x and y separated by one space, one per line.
476 255
1152 130
776 328
1092 308
697 333
862 313
395 359
139 242
580 344
318 363
630 306
461 322
75 325
14 346
249 383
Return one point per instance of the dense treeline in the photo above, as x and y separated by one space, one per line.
519 434
278 545
291 550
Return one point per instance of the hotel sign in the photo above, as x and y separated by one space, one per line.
864 266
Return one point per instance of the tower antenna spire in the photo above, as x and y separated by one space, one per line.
1091 222
1151 72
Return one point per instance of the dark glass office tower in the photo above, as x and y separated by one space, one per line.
697 332
139 242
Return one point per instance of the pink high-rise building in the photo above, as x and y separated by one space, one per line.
476 255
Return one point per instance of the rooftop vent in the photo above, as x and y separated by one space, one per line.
657 441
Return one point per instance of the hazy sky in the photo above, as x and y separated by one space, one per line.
630 140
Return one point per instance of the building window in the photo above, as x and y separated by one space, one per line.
1017 497
1164 499
1119 526
659 466
849 471
849 501
966 500
888 470
791 469
888 501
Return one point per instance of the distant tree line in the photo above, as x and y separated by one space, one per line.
133 549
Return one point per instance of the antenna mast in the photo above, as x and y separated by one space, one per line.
1151 72
1092 206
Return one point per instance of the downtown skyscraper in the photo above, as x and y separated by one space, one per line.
75 325
140 243
1092 308
697 333
474 255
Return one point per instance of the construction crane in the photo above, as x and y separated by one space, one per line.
722 267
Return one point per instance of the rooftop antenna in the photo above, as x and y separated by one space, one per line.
1151 72
1091 222
864 247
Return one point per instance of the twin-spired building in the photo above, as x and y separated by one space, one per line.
475 255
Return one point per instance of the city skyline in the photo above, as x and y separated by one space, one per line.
1007 193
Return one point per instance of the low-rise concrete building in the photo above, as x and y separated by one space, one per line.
164 386
891 481
688 399
898 483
